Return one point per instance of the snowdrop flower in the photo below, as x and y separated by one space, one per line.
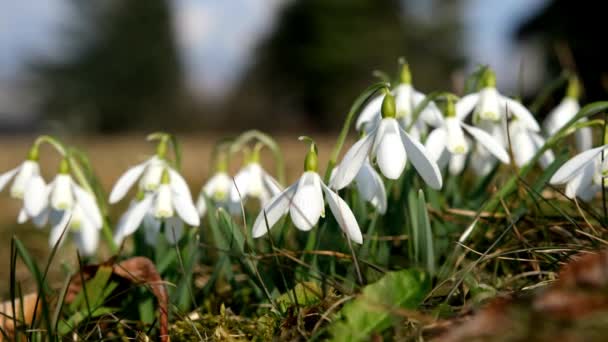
449 140
369 185
253 181
525 143
217 189
406 100
489 105
304 202
583 174
565 111
21 176
69 207
149 173
170 203
390 146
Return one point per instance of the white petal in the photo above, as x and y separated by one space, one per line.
344 216
240 187
371 187
431 115
456 142
22 218
59 220
465 105
88 203
307 204
389 151
151 177
201 204
548 157
164 202
523 147
403 101
174 228
575 165
42 218
126 181
87 238
178 184
271 185
370 113
421 160
276 208
61 194
522 113
435 143
581 181
132 218
489 142
560 115
352 162
185 209
36 196
457 162
151 229
7 176
29 169
218 187
488 106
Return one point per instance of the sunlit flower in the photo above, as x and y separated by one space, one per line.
584 173
69 207
305 203
450 139
149 173
525 143
170 203
390 147
406 100
217 189
22 175
564 112
369 185
253 181
489 105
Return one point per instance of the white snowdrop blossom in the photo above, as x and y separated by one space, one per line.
149 174
525 143
22 176
449 140
564 112
584 174
305 202
489 105
217 189
171 203
68 207
390 147
406 100
369 185
253 181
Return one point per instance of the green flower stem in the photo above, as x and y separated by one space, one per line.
165 139
354 109
267 141
511 185
56 144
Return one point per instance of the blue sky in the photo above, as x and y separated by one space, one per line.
217 37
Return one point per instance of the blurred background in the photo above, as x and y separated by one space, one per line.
80 67
102 74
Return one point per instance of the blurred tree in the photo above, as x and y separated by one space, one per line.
323 52
570 33
120 69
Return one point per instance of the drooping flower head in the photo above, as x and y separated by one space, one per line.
389 146
218 188
68 206
305 202
406 100
253 181
565 111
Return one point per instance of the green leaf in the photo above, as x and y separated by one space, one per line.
425 234
306 293
371 311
